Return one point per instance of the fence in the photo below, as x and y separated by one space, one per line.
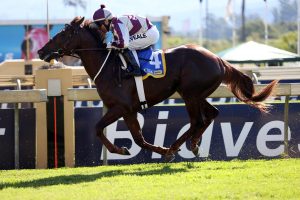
19 96
287 90
61 82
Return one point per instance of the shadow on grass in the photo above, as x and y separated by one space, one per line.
81 178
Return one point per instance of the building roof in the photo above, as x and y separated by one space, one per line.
253 52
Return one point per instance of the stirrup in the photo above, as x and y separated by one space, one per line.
136 72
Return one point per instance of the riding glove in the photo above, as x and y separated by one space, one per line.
109 37
108 46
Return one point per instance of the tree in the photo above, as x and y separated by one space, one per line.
287 41
219 24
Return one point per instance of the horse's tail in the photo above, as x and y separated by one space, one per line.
242 87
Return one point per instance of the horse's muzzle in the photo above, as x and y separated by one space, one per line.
48 56
42 54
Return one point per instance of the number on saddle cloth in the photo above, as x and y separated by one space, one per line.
152 63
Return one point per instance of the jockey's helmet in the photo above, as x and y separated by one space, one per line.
102 14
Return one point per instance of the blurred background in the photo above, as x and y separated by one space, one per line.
216 25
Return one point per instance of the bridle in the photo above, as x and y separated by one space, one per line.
65 52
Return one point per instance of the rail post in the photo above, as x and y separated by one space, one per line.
104 149
64 77
16 125
286 126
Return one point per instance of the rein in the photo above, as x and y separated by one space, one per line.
89 49
61 53
93 49
100 69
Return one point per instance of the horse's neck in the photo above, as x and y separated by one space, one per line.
92 60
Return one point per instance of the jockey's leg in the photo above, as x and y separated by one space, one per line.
131 60
136 132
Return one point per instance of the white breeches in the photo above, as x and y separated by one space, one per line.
143 40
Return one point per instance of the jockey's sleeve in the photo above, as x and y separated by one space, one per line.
121 35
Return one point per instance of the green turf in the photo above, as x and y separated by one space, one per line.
254 179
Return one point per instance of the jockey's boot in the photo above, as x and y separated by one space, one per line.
130 59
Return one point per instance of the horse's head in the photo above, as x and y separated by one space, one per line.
62 43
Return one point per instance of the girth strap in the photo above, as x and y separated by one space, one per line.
138 82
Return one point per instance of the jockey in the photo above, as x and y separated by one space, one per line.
128 32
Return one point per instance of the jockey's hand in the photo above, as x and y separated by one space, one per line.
109 46
109 37
113 45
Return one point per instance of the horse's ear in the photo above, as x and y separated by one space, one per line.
80 21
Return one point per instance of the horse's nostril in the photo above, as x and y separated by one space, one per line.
40 52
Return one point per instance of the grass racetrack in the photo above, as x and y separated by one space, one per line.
252 179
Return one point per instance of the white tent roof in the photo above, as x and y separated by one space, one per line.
256 52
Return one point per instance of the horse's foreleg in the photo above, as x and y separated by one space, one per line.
136 132
111 116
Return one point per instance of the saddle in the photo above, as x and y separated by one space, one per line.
152 63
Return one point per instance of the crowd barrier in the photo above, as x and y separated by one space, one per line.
280 73
60 82
21 96
287 90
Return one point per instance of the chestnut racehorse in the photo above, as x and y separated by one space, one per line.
193 72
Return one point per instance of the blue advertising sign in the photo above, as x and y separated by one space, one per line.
13 39
26 137
238 132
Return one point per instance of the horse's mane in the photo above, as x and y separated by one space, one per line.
76 19
91 27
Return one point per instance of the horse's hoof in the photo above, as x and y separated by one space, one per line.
169 157
196 151
125 151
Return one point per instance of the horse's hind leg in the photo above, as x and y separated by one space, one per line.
136 132
193 105
208 113
111 116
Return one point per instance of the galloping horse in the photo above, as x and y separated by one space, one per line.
193 72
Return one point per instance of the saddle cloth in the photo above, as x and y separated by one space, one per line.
152 63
